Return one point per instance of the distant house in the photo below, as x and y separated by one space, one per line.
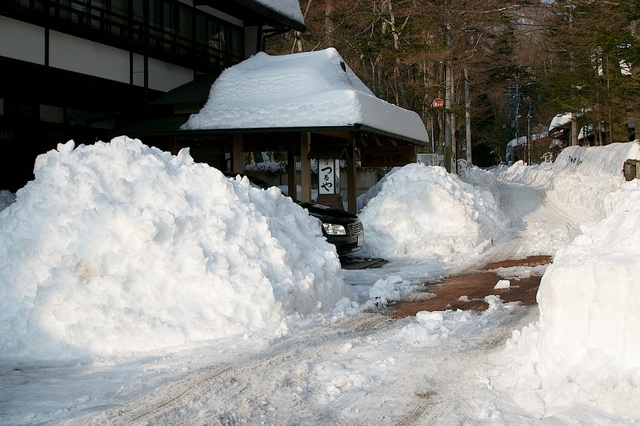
540 148
560 129
71 68
587 134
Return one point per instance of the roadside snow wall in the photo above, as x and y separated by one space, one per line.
579 177
584 350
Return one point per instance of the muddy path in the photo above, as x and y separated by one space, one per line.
468 291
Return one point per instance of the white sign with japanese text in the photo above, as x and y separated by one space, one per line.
327 176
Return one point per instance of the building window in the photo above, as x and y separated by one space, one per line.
21 110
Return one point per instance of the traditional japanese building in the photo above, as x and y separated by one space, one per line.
71 68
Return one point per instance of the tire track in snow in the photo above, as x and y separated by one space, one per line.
223 394
443 403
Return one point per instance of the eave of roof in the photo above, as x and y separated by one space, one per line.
350 128
169 126
254 13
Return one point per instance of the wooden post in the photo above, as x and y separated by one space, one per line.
351 177
305 167
291 174
237 164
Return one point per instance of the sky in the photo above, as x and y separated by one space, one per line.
140 285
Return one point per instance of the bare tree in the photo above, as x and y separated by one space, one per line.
399 49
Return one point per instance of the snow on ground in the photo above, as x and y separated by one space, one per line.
138 286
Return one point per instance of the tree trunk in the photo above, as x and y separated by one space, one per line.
298 42
328 23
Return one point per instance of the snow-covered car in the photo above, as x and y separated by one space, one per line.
342 229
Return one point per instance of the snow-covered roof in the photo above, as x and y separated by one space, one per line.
302 90
289 8
563 120
521 140
560 120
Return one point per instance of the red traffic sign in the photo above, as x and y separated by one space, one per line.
438 103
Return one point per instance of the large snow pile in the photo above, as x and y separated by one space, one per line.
421 211
480 179
309 89
585 347
601 343
118 247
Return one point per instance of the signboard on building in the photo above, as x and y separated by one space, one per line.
328 176
429 159
387 156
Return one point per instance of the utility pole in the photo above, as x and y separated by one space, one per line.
448 99
528 155
448 128
472 37
467 116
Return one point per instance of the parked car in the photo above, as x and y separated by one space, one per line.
342 229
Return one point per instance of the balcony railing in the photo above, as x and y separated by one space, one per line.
202 42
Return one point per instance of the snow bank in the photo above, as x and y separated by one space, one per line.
580 176
584 348
596 161
118 247
484 180
537 176
601 266
422 212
